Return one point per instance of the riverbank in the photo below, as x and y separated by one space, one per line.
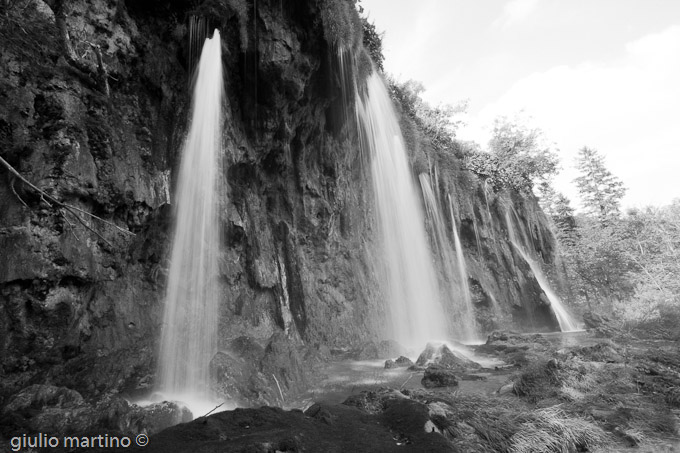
594 394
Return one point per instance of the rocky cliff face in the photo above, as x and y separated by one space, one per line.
93 104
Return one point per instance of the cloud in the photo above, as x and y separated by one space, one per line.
515 11
628 108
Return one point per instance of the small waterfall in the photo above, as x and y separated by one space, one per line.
486 200
566 321
462 269
477 238
410 282
189 333
458 294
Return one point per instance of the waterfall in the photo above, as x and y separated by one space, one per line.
410 284
477 239
462 269
189 334
459 294
566 321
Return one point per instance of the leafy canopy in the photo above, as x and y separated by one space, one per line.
518 156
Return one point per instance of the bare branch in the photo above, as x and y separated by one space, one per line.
277 384
11 185
73 210
213 410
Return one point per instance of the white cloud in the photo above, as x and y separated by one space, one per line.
627 108
515 11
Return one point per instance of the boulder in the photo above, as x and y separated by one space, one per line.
595 320
159 416
515 348
282 361
436 376
601 324
444 357
40 396
401 362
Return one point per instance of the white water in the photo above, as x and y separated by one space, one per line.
458 294
189 334
462 269
477 239
566 321
417 315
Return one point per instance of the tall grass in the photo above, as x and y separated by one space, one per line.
552 430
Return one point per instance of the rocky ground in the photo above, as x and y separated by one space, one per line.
599 394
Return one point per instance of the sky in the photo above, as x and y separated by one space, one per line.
598 73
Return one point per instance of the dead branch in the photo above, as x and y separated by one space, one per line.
73 210
406 381
101 69
11 185
213 410
96 78
277 384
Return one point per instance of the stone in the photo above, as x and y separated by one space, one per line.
436 376
159 416
403 361
400 362
603 326
41 396
506 389
441 355
282 361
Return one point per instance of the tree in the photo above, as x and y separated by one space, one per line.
601 192
518 156
439 123
564 219
654 235
598 261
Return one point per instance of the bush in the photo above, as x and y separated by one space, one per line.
342 26
438 124
373 43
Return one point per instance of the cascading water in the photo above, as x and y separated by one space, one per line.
189 333
478 242
462 269
565 320
458 294
411 287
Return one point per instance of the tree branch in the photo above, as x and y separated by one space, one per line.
73 210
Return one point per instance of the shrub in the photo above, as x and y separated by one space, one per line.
373 42
342 26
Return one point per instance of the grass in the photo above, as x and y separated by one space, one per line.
553 430
476 423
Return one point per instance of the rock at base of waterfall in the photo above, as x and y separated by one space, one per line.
601 324
401 362
437 376
60 411
444 357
